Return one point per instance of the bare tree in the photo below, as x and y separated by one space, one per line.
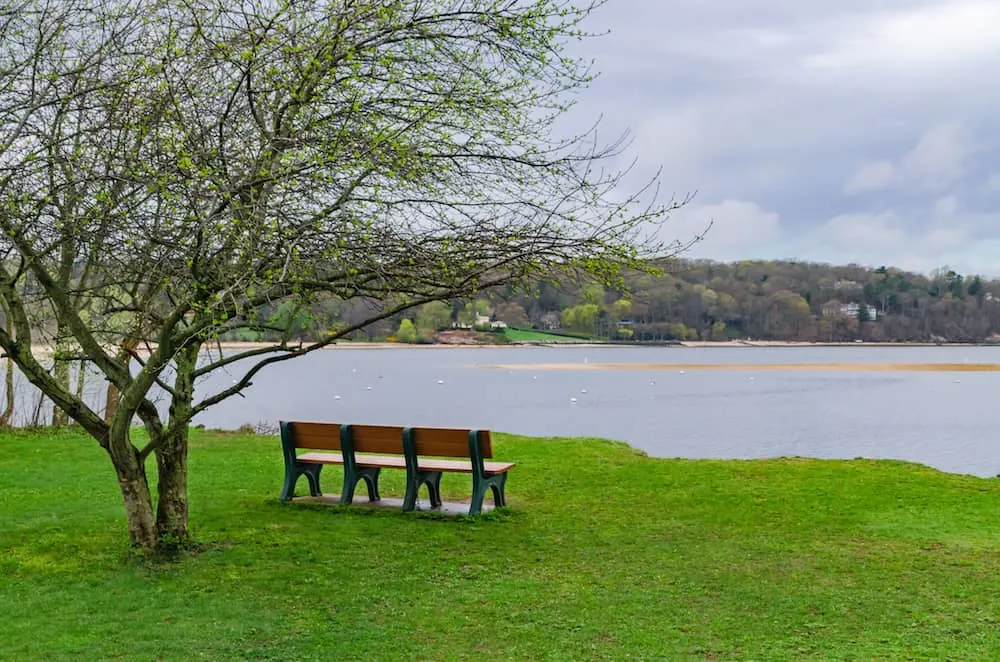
168 168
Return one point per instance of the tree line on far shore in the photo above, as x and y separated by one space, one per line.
703 300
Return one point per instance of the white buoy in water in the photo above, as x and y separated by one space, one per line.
573 400
583 390
440 381
368 388
682 372
336 397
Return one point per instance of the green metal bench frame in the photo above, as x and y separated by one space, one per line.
353 474
415 476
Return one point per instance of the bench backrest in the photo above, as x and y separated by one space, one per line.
449 442
439 442
364 438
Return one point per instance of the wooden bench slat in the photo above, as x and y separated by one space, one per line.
377 438
387 461
366 438
397 462
322 436
444 442
462 467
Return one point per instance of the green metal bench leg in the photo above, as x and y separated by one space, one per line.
433 482
310 471
288 489
478 492
499 498
410 498
352 478
312 475
432 479
480 484
370 476
350 482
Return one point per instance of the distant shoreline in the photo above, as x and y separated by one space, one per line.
46 350
679 344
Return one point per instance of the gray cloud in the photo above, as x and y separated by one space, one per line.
835 130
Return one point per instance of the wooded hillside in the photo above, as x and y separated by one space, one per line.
704 300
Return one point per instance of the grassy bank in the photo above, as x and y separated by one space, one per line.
532 335
604 554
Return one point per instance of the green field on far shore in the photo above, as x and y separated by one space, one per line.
604 554
531 335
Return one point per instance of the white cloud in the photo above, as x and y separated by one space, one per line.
937 160
919 240
827 125
872 176
861 232
739 229
946 207
918 40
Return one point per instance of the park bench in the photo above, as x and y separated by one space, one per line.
364 450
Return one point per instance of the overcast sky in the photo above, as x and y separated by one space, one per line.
827 130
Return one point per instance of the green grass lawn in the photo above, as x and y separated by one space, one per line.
603 554
530 335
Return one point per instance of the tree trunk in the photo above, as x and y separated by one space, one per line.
111 398
8 412
111 402
135 492
172 453
172 504
60 371
81 379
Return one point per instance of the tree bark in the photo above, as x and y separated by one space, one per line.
8 412
172 454
128 345
172 503
134 487
81 379
60 371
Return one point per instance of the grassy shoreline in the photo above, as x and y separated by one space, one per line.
604 554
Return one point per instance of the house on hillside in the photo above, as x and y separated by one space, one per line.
835 308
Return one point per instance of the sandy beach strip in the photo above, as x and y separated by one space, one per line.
761 367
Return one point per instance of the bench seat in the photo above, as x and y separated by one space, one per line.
397 462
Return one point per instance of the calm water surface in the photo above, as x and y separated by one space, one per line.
947 420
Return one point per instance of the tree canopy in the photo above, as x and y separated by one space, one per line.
168 168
